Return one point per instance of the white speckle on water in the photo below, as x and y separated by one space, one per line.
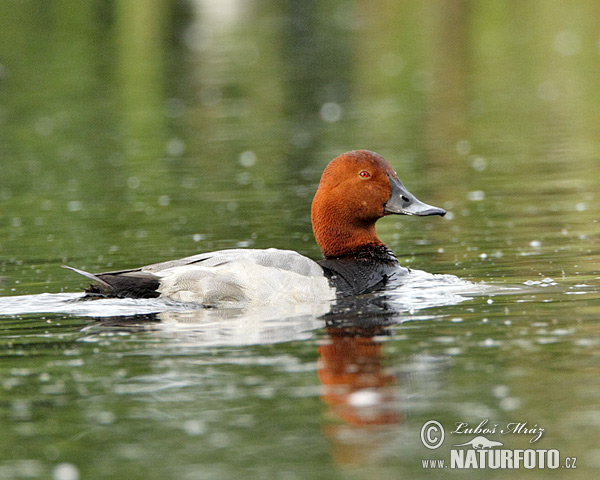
444 339
197 237
489 301
106 418
580 207
567 43
44 126
364 398
133 183
476 195
194 428
483 256
244 178
463 147
510 404
490 342
546 340
65 471
74 206
535 244
175 147
188 182
479 164
500 391
585 342
562 331
247 158
331 112
164 200
453 351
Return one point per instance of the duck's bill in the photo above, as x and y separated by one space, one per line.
402 202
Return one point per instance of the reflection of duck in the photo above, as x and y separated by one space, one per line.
356 189
354 381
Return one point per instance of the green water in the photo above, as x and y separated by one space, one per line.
135 132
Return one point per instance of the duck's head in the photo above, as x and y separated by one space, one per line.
357 189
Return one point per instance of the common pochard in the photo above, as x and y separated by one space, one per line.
356 189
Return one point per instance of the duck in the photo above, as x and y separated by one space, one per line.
356 189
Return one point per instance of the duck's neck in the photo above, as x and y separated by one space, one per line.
339 238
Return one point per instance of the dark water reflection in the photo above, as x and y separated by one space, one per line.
135 132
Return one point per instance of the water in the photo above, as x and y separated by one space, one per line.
132 133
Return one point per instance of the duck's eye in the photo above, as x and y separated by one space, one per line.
364 174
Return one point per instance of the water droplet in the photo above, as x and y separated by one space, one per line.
510 404
44 126
65 471
331 112
479 164
500 391
364 398
133 182
476 195
74 206
567 43
463 147
244 178
490 342
247 158
175 147
194 427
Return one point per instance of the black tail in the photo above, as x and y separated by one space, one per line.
123 284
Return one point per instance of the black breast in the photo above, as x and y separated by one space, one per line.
363 272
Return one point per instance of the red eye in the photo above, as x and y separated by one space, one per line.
364 174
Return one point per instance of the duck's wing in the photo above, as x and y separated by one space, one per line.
121 284
145 282
270 257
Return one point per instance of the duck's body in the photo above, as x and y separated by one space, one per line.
356 189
